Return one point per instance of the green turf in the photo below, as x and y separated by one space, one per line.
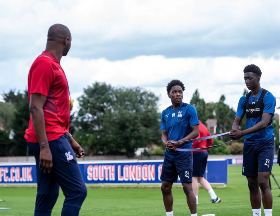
145 201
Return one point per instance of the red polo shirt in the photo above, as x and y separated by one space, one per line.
46 77
203 132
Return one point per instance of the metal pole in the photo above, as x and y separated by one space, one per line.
275 180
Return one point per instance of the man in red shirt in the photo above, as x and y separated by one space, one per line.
48 135
199 165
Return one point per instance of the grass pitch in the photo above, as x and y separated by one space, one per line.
145 200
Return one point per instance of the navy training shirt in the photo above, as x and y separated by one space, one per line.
265 134
178 123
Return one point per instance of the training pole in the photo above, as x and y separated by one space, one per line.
275 180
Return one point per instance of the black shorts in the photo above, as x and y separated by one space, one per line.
199 163
182 166
258 158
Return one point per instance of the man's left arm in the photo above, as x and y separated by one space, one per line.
76 147
269 106
236 134
194 134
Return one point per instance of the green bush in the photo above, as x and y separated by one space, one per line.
159 150
236 148
221 150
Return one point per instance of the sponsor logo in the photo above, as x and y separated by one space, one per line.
69 156
267 163
253 110
173 114
187 174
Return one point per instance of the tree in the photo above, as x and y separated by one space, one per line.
200 106
117 120
7 115
19 125
225 117
13 97
210 111
5 143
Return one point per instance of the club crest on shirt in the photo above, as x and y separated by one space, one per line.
179 114
69 156
267 163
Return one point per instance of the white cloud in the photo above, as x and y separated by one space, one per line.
140 33
179 28
212 76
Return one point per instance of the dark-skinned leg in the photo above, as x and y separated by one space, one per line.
190 197
255 195
167 195
263 179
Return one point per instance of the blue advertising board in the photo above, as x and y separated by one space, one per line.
18 174
111 172
217 171
239 161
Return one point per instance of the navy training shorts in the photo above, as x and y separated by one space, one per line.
258 158
199 163
65 173
182 166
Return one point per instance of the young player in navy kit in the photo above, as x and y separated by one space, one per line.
258 152
179 122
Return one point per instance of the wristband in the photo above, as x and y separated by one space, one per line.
69 135
43 143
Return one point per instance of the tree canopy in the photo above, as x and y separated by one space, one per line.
117 120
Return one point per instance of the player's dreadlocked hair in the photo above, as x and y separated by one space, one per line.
174 83
254 69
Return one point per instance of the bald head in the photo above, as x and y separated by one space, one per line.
58 32
59 39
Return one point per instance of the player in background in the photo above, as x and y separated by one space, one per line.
179 122
48 135
199 165
258 152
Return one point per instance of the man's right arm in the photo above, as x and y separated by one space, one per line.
37 102
237 122
164 138
239 114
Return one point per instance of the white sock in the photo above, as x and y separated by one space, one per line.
169 213
196 197
256 212
268 212
212 194
194 214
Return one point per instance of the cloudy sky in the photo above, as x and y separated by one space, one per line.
147 43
